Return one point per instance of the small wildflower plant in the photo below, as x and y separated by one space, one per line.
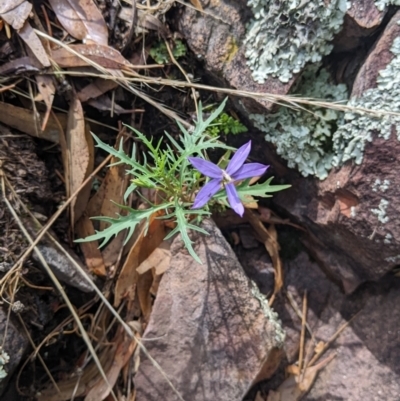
187 183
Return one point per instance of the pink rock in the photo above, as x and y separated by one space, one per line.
345 234
366 366
209 331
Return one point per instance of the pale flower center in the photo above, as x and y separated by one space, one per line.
227 177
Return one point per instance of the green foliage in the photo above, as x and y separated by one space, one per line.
159 51
225 124
167 170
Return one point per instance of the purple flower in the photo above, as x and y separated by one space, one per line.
235 171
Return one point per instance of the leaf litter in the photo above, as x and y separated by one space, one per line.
65 48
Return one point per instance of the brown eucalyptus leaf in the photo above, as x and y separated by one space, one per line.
23 120
197 4
96 88
29 36
91 252
82 20
80 158
105 56
47 90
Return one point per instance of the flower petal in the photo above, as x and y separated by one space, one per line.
205 167
234 199
206 193
250 170
238 159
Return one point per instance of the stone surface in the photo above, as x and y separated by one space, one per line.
353 217
209 331
367 364
14 344
344 233
217 39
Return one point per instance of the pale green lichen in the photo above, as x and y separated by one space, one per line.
352 135
380 212
304 137
4 359
284 35
382 4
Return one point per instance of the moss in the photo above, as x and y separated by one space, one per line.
232 49
304 137
284 35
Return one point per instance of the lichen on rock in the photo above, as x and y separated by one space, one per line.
382 4
4 359
304 137
357 129
285 35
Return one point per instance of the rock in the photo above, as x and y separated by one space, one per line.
15 345
353 216
366 366
217 39
211 332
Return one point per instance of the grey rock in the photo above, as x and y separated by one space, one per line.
15 345
211 331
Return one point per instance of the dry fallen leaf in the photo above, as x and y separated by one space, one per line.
80 158
270 239
29 36
142 247
295 387
82 20
105 56
96 88
197 4
15 12
126 347
90 383
91 252
47 90
23 120
159 259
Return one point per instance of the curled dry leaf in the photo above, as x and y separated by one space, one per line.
82 20
159 259
104 56
80 158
